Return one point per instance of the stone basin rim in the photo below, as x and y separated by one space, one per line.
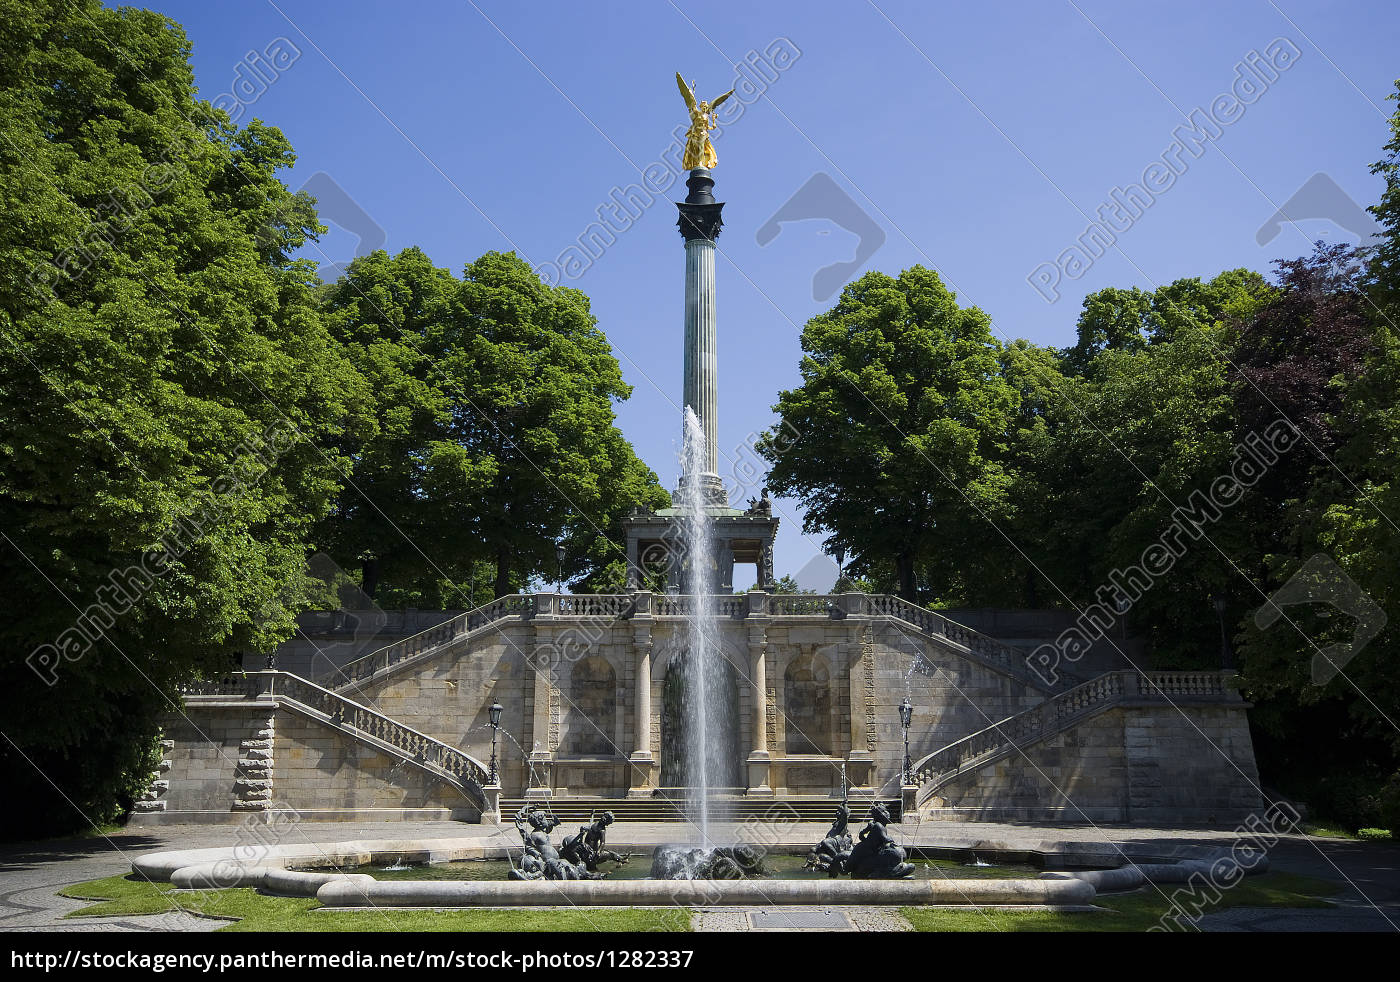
268 868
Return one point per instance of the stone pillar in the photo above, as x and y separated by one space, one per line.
759 757
725 554
541 757
859 658
701 382
642 762
700 223
634 569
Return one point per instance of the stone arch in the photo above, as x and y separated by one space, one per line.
807 704
592 709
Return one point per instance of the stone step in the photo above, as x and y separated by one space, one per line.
773 810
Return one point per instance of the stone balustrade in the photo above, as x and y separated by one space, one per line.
463 770
1062 711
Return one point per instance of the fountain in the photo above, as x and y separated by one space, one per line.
702 704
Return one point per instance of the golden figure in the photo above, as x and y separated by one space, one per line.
699 151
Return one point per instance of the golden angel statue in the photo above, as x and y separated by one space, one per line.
699 151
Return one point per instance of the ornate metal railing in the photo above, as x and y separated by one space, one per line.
361 669
442 760
1059 713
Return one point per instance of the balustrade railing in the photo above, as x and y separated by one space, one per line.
465 771
240 685
515 605
1059 713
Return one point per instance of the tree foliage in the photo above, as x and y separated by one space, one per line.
166 386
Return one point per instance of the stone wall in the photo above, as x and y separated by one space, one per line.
325 774
1189 764
205 777
570 692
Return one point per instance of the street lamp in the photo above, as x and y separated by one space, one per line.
840 556
559 557
1227 650
906 716
495 714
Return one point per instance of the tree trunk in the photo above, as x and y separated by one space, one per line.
502 571
904 568
369 576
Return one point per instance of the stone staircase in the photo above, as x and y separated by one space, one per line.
662 809
367 726
1060 713
927 624
519 606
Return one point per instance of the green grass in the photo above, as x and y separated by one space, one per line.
1327 830
1138 910
122 895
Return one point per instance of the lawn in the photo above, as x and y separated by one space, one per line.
1139 910
119 895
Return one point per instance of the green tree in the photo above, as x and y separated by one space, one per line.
165 383
495 434
895 440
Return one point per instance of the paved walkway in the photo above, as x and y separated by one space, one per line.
30 874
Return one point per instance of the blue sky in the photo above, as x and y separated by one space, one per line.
980 139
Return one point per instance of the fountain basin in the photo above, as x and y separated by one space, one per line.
274 868
702 893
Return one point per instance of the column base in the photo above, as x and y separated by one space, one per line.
759 765
640 766
491 814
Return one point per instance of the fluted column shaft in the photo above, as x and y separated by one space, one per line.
701 367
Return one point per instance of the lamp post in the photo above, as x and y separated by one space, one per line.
906 716
1227 650
495 715
840 556
559 578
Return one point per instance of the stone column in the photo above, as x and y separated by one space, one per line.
701 379
700 223
541 756
759 757
640 773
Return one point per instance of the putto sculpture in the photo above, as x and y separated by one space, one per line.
541 861
826 856
588 846
699 151
875 857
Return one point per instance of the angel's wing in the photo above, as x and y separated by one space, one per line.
686 93
715 105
